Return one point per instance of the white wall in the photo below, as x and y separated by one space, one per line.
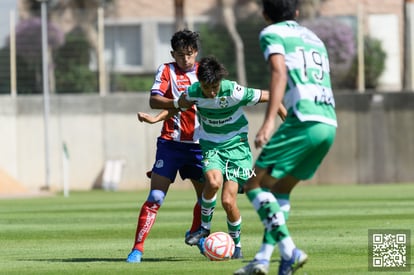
385 28
97 129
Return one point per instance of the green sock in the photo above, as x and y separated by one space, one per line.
234 229
270 214
207 210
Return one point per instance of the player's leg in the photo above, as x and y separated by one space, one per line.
163 174
282 191
276 231
298 151
192 168
148 214
198 187
213 182
234 220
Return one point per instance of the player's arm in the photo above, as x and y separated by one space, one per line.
163 115
282 112
278 81
160 102
264 97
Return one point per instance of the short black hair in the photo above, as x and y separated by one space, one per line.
185 39
210 70
280 10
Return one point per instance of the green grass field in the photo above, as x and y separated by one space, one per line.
92 232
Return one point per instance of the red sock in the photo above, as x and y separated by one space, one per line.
146 220
196 218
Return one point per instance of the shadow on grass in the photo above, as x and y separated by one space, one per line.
90 260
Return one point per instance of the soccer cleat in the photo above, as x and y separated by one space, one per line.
200 246
258 267
194 238
134 256
288 267
237 254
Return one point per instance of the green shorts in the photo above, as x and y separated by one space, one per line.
297 148
233 158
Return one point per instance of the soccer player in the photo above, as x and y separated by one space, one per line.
227 159
299 69
177 146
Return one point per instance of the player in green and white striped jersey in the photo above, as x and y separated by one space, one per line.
227 159
300 78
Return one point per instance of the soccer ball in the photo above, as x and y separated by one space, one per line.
218 246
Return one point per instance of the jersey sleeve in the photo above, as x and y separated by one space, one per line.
271 43
162 81
252 96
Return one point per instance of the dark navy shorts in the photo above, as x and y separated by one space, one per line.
173 156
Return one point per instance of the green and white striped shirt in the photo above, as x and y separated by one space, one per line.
308 93
222 117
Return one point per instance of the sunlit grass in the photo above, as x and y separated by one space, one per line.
92 232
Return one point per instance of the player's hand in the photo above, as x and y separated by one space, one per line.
144 117
263 135
184 103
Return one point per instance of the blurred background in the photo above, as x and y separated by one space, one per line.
102 55
137 35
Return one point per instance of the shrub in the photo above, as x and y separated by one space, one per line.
374 63
72 65
133 83
216 41
339 40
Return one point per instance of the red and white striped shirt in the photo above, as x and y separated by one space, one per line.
170 82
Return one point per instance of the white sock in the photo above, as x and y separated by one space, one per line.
284 205
286 247
265 252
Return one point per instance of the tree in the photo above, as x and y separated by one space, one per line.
72 65
29 52
309 9
84 14
374 64
339 39
179 14
230 23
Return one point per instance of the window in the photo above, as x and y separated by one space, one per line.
123 47
163 43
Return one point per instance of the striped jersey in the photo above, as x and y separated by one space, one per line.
170 82
222 117
308 93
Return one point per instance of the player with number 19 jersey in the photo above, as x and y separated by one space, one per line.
308 93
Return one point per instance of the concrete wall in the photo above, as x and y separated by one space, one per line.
375 139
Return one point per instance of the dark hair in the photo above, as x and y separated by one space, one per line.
210 70
185 39
280 10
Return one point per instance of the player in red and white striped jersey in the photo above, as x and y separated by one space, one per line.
177 146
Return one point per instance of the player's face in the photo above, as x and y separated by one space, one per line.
185 58
210 90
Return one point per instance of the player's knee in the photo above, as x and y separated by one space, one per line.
228 203
214 185
156 196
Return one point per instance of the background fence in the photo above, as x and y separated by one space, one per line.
374 144
101 51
